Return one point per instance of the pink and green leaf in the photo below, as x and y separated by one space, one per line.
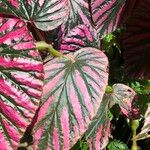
21 81
78 37
101 137
45 14
125 97
79 13
146 127
136 42
107 15
73 91
98 132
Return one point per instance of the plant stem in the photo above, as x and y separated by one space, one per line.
134 126
44 46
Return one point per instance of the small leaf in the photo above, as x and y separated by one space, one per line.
46 14
74 87
107 15
21 81
117 145
145 131
125 97
99 130
136 42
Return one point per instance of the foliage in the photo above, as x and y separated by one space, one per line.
117 145
146 128
59 72
136 52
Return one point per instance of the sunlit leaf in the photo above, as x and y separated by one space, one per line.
107 15
21 81
45 14
72 94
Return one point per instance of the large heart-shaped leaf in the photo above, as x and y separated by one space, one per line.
146 127
108 14
78 37
21 81
99 130
46 14
136 42
72 94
